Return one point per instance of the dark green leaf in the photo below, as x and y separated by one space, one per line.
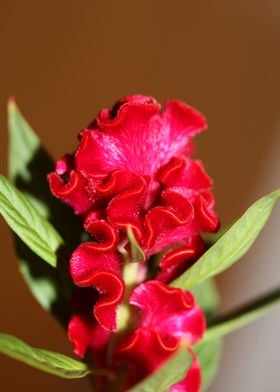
48 361
232 245
170 373
51 287
29 164
34 230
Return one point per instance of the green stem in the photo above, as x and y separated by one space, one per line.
242 316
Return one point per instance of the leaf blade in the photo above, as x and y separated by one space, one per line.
232 245
48 361
34 230
29 163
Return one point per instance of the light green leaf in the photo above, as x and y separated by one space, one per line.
137 253
48 361
34 230
170 373
232 245
242 316
209 354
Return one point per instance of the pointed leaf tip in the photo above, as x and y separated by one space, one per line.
137 253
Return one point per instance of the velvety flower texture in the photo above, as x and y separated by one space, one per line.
133 169
166 318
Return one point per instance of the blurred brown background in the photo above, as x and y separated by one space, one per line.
64 60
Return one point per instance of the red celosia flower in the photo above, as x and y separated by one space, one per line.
133 169
168 317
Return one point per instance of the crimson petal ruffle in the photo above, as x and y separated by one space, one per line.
137 137
85 333
189 179
170 311
178 260
70 186
167 317
143 353
128 191
90 266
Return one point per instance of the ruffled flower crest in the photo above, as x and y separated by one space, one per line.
133 169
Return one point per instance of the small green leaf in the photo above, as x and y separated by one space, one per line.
209 354
232 245
242 316
137 253
169 374
48 361
34 230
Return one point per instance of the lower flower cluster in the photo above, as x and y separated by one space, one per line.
133 171
164 319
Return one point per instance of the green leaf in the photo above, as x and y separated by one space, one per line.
137 253
29 164
209 354
24 144
51 287
232 245
207 296
34 230
242 316
170 373
48 361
